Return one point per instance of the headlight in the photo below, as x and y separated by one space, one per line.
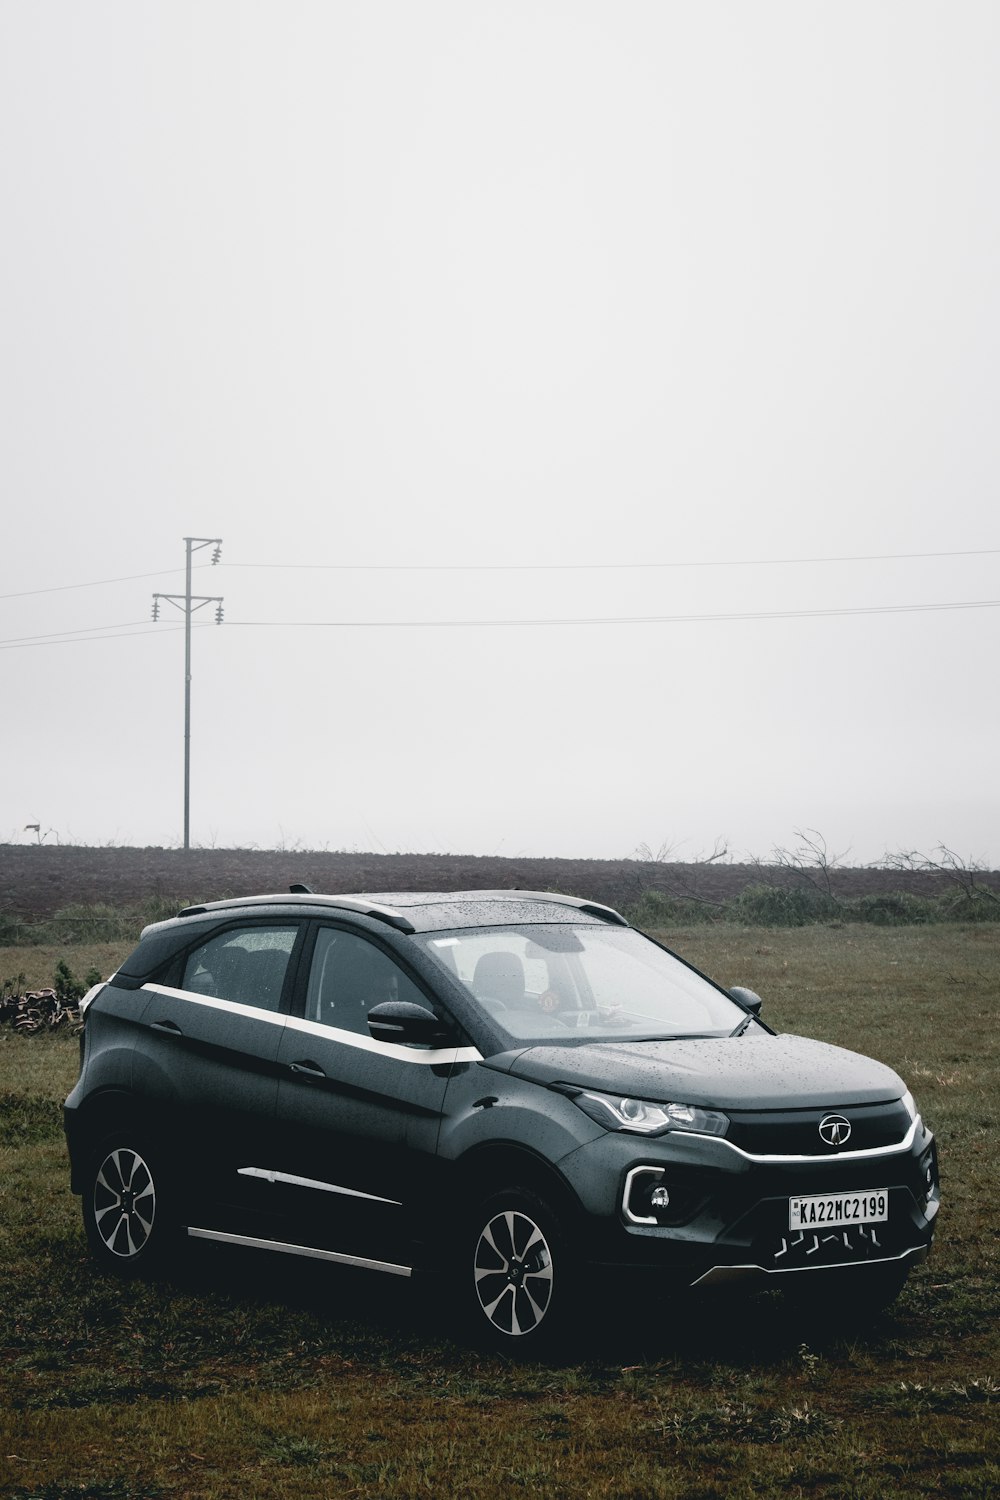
642 1117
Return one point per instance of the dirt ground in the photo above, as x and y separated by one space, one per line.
37 880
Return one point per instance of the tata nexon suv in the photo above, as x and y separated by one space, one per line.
516 1088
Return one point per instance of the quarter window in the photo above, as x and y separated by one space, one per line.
248 965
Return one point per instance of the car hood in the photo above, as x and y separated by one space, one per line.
754 1071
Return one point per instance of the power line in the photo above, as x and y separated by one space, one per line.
604 567
775 614
85 630
82 637
62 588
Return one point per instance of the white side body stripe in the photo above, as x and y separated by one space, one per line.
427 1057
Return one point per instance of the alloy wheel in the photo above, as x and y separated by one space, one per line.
513 1273
124 1203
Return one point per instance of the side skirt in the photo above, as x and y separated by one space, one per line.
310 1251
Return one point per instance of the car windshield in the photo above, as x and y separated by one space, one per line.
562 983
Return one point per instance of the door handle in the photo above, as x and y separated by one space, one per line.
170 1027
307 1069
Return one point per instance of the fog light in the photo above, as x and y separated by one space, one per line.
659 1198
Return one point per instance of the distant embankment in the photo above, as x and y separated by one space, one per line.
38 880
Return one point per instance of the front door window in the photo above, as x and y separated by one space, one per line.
349 976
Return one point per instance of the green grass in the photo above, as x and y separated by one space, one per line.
38 964
239 1378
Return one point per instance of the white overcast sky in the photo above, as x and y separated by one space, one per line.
469 311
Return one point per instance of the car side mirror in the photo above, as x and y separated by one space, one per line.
749 999
403 1022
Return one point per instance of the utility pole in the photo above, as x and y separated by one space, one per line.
187 603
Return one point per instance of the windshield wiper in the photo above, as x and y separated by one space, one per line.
742 1026
678 1036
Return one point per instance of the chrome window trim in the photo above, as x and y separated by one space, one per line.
266 1174
432 1057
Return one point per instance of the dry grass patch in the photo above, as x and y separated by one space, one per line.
235 1379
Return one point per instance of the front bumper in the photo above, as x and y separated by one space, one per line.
726 1218
733 1276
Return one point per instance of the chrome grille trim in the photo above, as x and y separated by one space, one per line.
867 1153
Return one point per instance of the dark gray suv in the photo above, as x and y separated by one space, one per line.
510 1087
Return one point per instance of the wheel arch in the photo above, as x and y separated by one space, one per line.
104 1115
488 1168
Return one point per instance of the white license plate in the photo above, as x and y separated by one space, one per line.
834 1209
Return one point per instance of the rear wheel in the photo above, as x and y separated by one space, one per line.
125 1209
521 1276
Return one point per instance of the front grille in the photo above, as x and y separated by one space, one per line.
795 1132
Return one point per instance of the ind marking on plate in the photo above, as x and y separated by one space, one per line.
834 1209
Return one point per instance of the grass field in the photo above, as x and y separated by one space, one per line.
38 965
237 1379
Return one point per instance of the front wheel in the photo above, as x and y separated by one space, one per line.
521 1273
850 1298
124 1210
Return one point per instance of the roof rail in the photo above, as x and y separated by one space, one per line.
592 908
387 914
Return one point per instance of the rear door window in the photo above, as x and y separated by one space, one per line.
248 966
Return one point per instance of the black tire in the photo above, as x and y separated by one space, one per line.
880 1288
887 1284
126 1209
518 1283
850 1300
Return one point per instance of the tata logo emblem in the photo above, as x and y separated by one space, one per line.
835 1130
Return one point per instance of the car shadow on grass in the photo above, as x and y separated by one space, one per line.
276 1301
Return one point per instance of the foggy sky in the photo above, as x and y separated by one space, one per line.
434 312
